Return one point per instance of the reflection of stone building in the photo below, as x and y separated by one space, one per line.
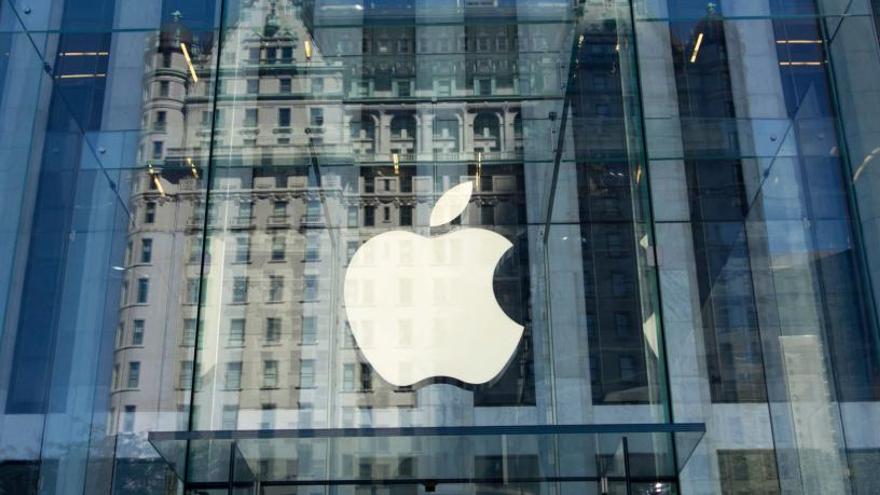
277 243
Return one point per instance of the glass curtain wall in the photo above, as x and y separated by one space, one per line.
769 263
337 123
92 241
684 190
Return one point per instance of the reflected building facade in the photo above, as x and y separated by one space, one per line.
687 188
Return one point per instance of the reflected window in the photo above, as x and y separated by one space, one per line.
188 337
150 212
161 121
309 330
134 375
267 416
120 334
316 116
619 284
128 418
146 250
229 419
273 330
487 132
352 217
486 183
369 216
242 249
348 377
615 245
487 215
278 248
236 332
622 324
270 373
285 86
250 117
351 248
366 377
307 373
206 119
483 43
283 117
137 332
195 250
287 54
166 59
483 86
117 377
158 148
627 368
310 288
403 127
313 211
313 248
239 290
197 377
443 87
406 215
279 209
164 88
192 291
276 288
185 376
403 88
317 85
362 89
143 290
232 379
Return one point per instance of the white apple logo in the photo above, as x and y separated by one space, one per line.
421 307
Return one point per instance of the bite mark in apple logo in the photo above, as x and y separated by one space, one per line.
422 307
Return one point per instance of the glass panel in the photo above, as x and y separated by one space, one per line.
251 217
484 455
355 163
760 233
95 240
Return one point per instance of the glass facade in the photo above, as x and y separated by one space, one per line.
452 246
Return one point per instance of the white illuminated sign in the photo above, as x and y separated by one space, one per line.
421 307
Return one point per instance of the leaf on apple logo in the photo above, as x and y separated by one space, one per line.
451 204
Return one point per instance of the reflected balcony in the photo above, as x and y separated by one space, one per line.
311 221
241 222
278 222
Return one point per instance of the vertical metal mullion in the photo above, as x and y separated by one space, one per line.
205 224
626 476
230 476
